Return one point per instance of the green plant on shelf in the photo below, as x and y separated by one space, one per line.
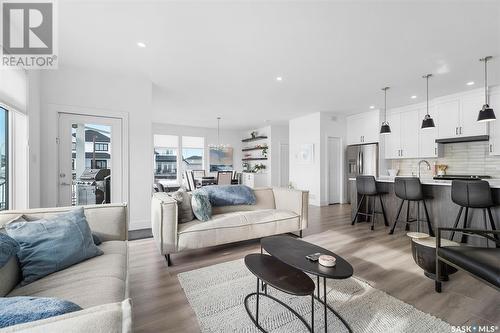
264 151
258 168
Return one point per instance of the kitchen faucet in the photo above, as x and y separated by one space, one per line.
419 165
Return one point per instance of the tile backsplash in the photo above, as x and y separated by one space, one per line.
465 158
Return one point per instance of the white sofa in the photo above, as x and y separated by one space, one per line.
99 285
277 211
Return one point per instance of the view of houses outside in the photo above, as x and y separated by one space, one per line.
166 162
97 148
4 163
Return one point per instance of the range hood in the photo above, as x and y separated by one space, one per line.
464 139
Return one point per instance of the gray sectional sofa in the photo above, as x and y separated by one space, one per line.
99 285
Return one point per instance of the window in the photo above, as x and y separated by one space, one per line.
4 159
193 149
101 147
101 164
165 154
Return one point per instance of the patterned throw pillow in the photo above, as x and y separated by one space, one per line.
8 248
52 244
184 209
202 208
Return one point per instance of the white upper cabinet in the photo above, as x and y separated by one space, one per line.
470 106
402 142
457 116
447 118
363 128
494 146
392 140
427 146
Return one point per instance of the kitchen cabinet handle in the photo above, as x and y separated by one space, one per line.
491 148
435 151
456 130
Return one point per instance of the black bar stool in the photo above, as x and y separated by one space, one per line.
367 188
410 189
472 194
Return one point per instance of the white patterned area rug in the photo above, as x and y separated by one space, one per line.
216 294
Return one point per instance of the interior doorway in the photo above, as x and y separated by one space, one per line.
284 165
90 160
334 170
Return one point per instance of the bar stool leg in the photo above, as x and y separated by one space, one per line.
429 224
373 214
383 211
456 222
357 210
397 217
464 236
492 224
418 216
407 226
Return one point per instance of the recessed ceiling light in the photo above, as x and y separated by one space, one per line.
141 44
372 106
470 83
279 78
413 97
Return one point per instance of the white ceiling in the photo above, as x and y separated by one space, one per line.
212 58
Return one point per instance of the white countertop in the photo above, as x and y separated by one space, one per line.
494 182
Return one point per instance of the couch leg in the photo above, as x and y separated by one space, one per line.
300 233
167 258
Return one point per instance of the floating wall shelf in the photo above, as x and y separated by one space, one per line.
254 148
254 159
260 137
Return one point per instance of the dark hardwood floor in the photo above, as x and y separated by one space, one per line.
383 260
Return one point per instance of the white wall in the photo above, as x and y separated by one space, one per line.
316 128
305 130
332 125
102 94
34 137
279 135
230 137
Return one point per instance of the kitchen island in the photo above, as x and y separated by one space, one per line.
442 210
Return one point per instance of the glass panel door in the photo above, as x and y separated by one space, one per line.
89 160
4 159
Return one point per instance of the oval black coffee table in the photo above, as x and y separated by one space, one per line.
281 276
293 252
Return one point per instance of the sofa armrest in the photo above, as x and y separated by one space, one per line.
164 222
296 201
112 317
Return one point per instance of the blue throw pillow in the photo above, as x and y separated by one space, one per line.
23 309
230 195
201 205
52 244
8 248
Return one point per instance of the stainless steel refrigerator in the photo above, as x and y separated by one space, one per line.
361 160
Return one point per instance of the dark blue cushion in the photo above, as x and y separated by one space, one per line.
23 309
230 195
8 248
52 244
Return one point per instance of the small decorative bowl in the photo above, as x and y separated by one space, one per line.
326 260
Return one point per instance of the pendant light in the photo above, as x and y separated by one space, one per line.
385 128
428 122
219 145
486 113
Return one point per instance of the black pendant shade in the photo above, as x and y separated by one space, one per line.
385 128
486 114
428 122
